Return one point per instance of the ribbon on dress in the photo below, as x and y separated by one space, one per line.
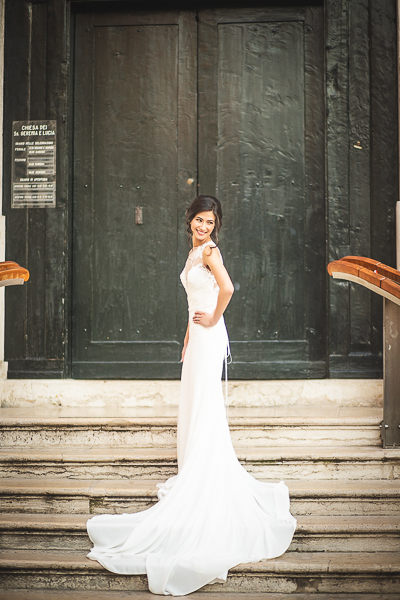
226 357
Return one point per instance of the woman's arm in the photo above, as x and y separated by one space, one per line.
212 260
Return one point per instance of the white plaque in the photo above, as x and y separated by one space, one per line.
34 164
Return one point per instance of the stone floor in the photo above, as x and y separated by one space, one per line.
61 465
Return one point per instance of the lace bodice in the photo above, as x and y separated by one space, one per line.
199 283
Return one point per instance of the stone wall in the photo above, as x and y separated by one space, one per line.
3 365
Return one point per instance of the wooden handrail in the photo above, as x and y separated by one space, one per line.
369 273
11 273
385 281
7 264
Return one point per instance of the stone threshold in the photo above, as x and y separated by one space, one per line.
154 393
163 417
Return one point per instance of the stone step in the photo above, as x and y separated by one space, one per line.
313 534
74 496
88 595
163 394
323 572
308 463
258 427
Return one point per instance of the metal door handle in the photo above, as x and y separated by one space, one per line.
139 215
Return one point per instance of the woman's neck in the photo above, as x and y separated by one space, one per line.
197 244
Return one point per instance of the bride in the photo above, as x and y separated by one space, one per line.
213 515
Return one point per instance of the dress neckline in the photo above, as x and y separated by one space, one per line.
195 248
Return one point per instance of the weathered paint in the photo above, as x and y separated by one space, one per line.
361 187
129 150
362 183
261 101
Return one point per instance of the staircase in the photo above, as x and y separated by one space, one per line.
59 466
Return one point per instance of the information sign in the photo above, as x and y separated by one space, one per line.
34 164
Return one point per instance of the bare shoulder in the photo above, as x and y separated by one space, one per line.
211 251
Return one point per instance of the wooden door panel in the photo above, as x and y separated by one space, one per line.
260 149
134 102
260 172
260 126
131 168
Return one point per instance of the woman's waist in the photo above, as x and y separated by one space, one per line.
208 308
202 301
218 329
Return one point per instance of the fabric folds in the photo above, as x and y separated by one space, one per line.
213 515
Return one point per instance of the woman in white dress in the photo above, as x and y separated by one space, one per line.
213 515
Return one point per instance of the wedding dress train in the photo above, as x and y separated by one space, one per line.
213 515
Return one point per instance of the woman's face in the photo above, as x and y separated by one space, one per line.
202 225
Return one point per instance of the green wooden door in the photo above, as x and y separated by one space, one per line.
257 143
134 146
261 148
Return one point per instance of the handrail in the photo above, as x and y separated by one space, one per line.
385 281
11 273
369 273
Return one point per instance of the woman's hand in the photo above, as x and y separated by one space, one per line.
203 318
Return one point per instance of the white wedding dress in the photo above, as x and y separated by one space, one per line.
213 515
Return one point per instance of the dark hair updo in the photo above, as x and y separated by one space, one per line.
205 204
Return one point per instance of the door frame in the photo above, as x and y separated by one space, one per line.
93 5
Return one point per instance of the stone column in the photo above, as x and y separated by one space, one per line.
391 326
398 118
3 365
398 236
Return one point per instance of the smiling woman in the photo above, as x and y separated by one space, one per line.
213 515
204 219
202 225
